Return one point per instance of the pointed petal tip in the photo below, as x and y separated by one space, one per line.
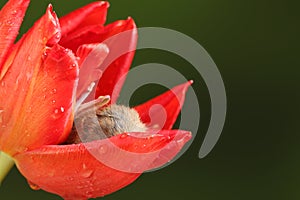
103 3
130 20
171 102
50 7
89 15
56 26
11 16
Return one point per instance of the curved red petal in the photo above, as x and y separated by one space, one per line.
120 37
162 111
36 89
122 43
81 171
91 56
11 17
91 14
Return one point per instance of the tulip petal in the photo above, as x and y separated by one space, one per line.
43 79
121 51
11 17
92 169
115 67
163 108
91 56
91 14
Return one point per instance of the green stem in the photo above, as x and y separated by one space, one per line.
6 163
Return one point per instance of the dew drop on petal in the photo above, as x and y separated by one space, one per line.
79 187
102 149
86 173
72 66
9 22
53 91
1 116
56 113
83 166
28 76
33 186
123 136
89 194
45 55
57 36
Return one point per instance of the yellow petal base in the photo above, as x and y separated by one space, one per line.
6 163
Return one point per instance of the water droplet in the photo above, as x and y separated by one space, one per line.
56 131
45 55
124 135
57 112
53 91
79 187
26 132
29 58
29 109
102 149
14 12
33 185
1 116
53 101
72 66
150 137
9 22
28 75
89 194
87 173
83 166
8 33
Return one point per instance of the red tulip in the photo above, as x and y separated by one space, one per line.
42 78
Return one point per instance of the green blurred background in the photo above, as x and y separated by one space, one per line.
256 48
